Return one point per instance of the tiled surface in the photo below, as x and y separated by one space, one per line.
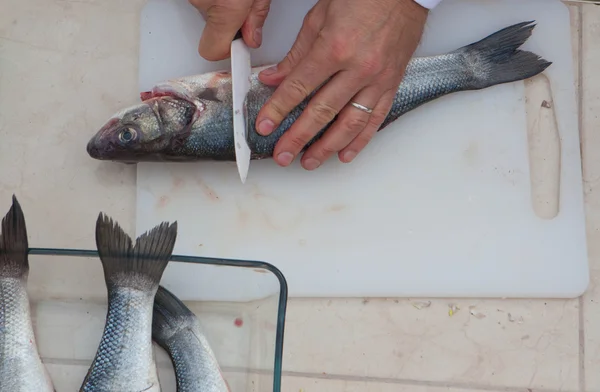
305 384
56 61
531 344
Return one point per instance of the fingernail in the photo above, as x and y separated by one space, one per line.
269 71
266 126
258 35
285 158
311 164
349 156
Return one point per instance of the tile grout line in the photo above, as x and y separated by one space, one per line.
581 302
412 382
343 377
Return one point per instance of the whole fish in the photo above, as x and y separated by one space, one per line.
125 361
191 119
176 329
21 369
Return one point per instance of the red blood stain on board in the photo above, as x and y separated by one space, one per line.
208 191
238 322
337 207
178 183
163 201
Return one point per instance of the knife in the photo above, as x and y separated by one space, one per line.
241 69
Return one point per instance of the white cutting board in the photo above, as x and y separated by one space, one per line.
439 204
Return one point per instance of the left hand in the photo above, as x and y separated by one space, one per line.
224 18
364 46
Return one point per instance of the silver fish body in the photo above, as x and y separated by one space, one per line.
191 119
124 361
177 330
21 369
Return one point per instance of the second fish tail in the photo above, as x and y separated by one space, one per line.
124 359
140 267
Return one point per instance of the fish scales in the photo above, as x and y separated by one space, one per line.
21 368
191 118
177 330
124 360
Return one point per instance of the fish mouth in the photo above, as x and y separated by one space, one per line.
93 150
106 151
97 151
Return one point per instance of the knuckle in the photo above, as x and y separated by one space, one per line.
297 89
311 23
356 124
371 65
325 151
298 142
392 75
294 55
224 13
217 15
377 119
262 9
363 139
338 47
322 112
277 109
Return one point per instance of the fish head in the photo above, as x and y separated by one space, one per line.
149 131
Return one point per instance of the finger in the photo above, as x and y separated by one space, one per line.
312 72
255 22
320 111
377 118
350 123
311 26
222 23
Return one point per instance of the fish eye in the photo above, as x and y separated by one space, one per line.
127 135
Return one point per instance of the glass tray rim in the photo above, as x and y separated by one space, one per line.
283 289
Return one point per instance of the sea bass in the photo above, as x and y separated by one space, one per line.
177 330
21 369
125 361
191 119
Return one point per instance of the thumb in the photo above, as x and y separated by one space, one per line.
222 23
312 25
256 20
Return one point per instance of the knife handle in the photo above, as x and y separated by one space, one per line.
238 35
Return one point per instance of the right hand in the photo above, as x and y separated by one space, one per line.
224 18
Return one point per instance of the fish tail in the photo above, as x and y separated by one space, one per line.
140 267
497 59
14 244
170 315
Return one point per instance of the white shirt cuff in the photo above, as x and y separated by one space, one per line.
429 4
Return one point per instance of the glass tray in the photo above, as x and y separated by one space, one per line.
242 316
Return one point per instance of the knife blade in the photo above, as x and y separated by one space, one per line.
241 69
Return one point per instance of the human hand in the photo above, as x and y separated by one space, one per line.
364 46
223 20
